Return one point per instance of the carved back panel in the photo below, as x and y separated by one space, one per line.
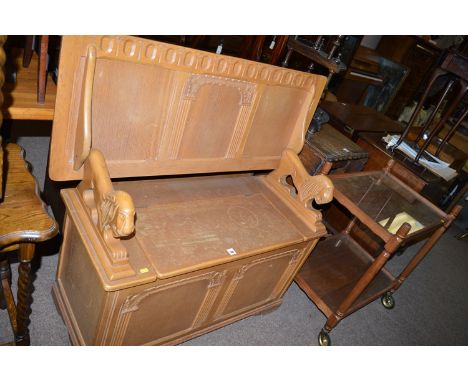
160 109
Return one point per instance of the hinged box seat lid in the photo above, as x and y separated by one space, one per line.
187 224
160 109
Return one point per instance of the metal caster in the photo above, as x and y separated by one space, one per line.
324 339
387 301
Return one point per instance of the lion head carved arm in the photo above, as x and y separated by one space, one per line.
113 212
293 181
116 212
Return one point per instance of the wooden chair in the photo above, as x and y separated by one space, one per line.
425 139
455 65
24 222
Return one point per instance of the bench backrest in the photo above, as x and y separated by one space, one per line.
159 109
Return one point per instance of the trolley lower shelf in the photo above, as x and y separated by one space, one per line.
333 269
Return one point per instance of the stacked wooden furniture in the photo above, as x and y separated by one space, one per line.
173 255
24 222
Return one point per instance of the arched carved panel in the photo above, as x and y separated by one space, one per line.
246 277
199 293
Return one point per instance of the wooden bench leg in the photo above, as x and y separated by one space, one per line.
24 294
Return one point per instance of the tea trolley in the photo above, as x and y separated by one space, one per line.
341 277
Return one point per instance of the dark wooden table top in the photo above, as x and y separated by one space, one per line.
357 118
23 215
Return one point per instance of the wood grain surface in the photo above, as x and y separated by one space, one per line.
22 213
175 110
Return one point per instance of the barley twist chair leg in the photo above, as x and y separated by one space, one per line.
24 294
9 302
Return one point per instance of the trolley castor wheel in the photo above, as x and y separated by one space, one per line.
388 301
324 339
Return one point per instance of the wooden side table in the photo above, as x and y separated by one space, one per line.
25 222
341 277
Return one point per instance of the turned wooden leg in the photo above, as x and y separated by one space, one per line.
4 272
5 276
28 51
285 62
428 123
452 131
390 248
42 69
257 48
453 105
424 250
437 73
281 42
24 294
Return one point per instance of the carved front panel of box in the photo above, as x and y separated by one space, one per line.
259 281
163 312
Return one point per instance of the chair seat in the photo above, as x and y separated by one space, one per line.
23 215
